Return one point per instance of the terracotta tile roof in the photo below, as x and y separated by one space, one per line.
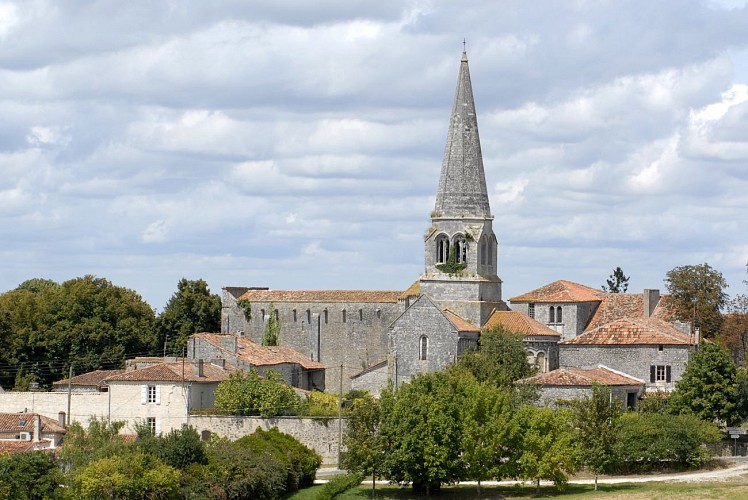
16 422
90 379
615 306
561 291
320 296
462 325
259 355
413 290
630 331
517 322
171 372
577 377
15 446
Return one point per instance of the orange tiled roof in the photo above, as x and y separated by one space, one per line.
615 306
16 422
171 372
319 296
459 323
561 291
259 355
90 379
575 377
413 290
517 322
11 447
631 331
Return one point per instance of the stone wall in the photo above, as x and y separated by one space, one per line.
550 395
633 360
319 434
354 334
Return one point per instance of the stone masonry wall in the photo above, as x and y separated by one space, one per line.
319 434
317 329
632 360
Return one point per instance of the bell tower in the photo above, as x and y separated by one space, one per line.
461 249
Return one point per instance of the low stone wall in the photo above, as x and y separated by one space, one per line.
319 434
50 404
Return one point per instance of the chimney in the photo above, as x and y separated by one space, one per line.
61 419
37 428
651 298
197 368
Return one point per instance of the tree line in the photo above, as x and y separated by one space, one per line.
89 324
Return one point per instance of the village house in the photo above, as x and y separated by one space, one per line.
30 431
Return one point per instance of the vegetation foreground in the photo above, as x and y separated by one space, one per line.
736 487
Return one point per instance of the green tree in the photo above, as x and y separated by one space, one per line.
501 358
192 309
617 282
650 441
246 393
546 447
708 387
487 426
134 475
87 321
179 448
422 430
31 475
699 296
272 328
734 332
596 421
363 441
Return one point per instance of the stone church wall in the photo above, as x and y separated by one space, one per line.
354 334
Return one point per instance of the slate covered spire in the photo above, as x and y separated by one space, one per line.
462 185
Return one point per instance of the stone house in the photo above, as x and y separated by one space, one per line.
240 352
36 431
569 383
163 395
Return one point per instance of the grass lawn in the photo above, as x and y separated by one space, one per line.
736 488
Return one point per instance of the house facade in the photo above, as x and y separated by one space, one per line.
30 431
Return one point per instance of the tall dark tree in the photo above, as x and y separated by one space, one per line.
192 309
617 282
708 387
699 293
87 322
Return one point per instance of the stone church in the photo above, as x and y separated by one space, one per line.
365 338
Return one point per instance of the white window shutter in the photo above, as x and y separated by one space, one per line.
143 394
158 423
158 397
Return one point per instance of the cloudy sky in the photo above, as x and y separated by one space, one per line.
297 144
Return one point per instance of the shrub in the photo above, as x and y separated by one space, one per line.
337 485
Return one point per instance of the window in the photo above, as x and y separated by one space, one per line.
660 347
309 316
344 316
294 315
360 314
150 394
151 421
559 317
483 251
660 373
531 310
325 316
262 314
276 315
442 249
423 348
460 250
552 315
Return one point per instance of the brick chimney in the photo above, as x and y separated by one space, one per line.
651 299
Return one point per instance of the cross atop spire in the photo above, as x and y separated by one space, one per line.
462 185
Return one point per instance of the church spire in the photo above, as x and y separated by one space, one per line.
462 185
